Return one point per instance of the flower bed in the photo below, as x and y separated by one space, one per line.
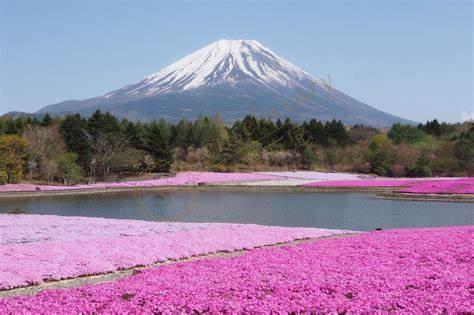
317 175
23 229
418 185
181 179
60 248
408 271
458 186
278 182
362 183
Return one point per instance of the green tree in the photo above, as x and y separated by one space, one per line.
337 131
47 121
422 167
405 133
307 157
183 133
136 135
3 124
379 155
464 151
232 153
316 132
70 172
130 161
103 124
267 131
12 157
435 128
12 128
158 146
73 129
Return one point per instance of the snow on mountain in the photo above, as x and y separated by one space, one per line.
234 78
224 61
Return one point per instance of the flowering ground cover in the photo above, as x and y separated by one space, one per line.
275 182
181 179
23 229
419 185
362 183
397 271
194 178
318 175
58 248
457 186
297 178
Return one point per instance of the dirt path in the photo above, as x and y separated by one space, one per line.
114 276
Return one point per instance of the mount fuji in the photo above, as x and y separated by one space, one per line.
234 78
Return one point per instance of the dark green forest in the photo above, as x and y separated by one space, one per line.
76 149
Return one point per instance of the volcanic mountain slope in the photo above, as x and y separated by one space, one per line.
233 78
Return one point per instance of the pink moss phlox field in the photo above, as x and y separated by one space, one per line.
82 250
419 185
22 229
458 186
181 179
398 271
362 183
318 175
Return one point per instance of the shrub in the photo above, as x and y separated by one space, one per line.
398 170
362 168
422 167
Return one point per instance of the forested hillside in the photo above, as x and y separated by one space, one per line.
77 149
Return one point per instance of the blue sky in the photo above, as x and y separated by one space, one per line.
409 58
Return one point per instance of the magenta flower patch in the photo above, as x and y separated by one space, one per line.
419 185
398 271
458 186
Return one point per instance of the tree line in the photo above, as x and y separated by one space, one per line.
75 149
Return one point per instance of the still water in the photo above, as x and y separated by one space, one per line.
356 211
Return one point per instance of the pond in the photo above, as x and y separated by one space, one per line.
355 211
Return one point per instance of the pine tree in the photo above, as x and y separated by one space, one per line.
102 123
47 121
183 134
134 136
158 146
73 130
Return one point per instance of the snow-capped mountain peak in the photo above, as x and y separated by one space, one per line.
222 62
234 78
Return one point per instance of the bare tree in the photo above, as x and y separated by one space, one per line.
49 170
44 144
104 147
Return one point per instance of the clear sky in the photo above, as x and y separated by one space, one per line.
409 58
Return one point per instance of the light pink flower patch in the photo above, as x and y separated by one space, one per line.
362 183
317 175
398 271
58 248
181 179
23 229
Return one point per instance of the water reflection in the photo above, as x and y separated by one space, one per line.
356 211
